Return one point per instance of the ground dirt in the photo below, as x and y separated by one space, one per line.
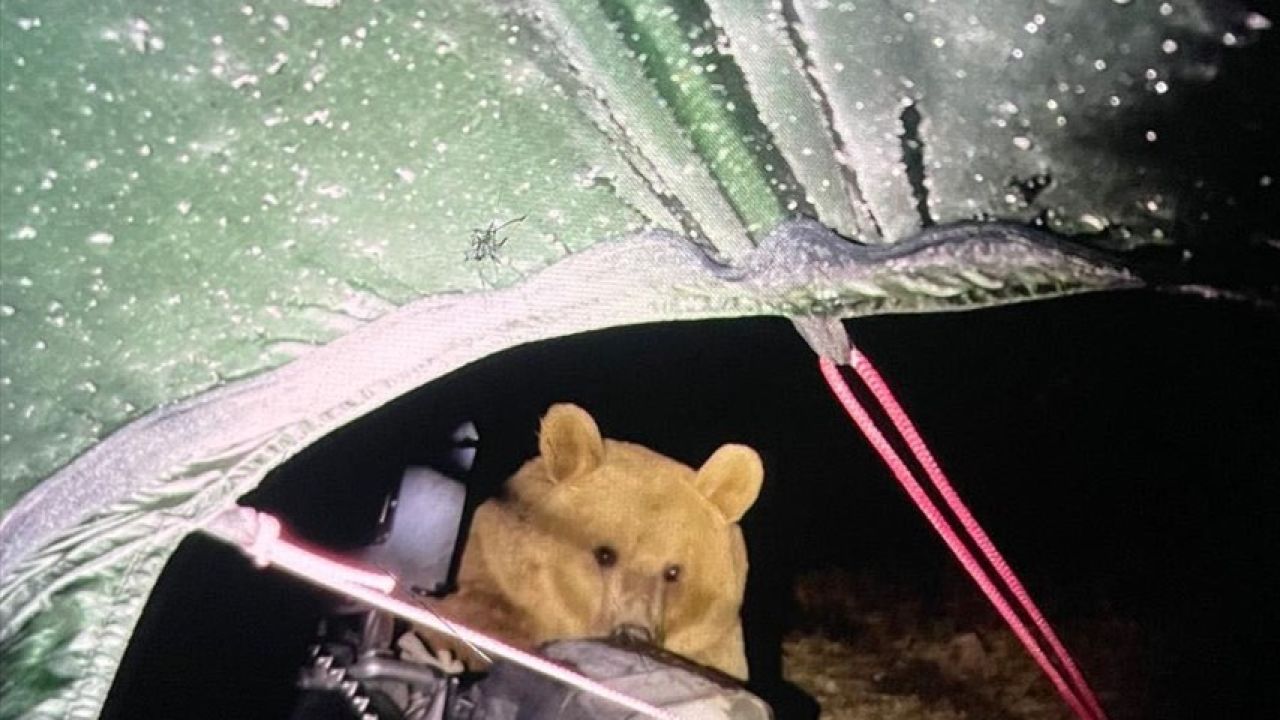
866 650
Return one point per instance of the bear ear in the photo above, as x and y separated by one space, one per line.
570 442
731 480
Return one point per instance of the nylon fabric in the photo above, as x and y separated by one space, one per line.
228 229
100 529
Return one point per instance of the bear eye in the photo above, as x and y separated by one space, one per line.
605 556
671 573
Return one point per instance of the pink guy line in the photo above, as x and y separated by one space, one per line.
875 382
267 546
949 536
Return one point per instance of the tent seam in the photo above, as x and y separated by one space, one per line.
90 658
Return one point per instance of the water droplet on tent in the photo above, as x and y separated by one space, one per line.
1257 21
333 191
316 117
1093 222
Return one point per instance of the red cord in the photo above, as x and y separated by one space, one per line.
1086 708
873 380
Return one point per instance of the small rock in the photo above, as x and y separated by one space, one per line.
967 658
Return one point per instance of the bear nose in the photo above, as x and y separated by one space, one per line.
631 632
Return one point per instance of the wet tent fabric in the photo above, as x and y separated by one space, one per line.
229 229
74 597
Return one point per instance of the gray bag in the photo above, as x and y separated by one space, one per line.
512 692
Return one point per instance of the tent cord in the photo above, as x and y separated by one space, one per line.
1077 692
260 536
873 380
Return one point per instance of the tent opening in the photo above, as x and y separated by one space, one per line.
1118 449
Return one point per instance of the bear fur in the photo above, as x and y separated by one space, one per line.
599 537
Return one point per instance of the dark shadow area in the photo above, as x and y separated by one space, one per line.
1217 141
1121 450
218 639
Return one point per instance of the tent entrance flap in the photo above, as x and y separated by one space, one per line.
181 465
800 270
854 551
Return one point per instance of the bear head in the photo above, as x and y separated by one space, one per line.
599 537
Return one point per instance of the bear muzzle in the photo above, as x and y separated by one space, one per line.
632 608
632 633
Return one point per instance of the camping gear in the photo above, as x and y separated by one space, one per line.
230 229
511 692
367 664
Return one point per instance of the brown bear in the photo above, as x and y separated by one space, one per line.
599 537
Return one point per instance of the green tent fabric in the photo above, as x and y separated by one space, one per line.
228 229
